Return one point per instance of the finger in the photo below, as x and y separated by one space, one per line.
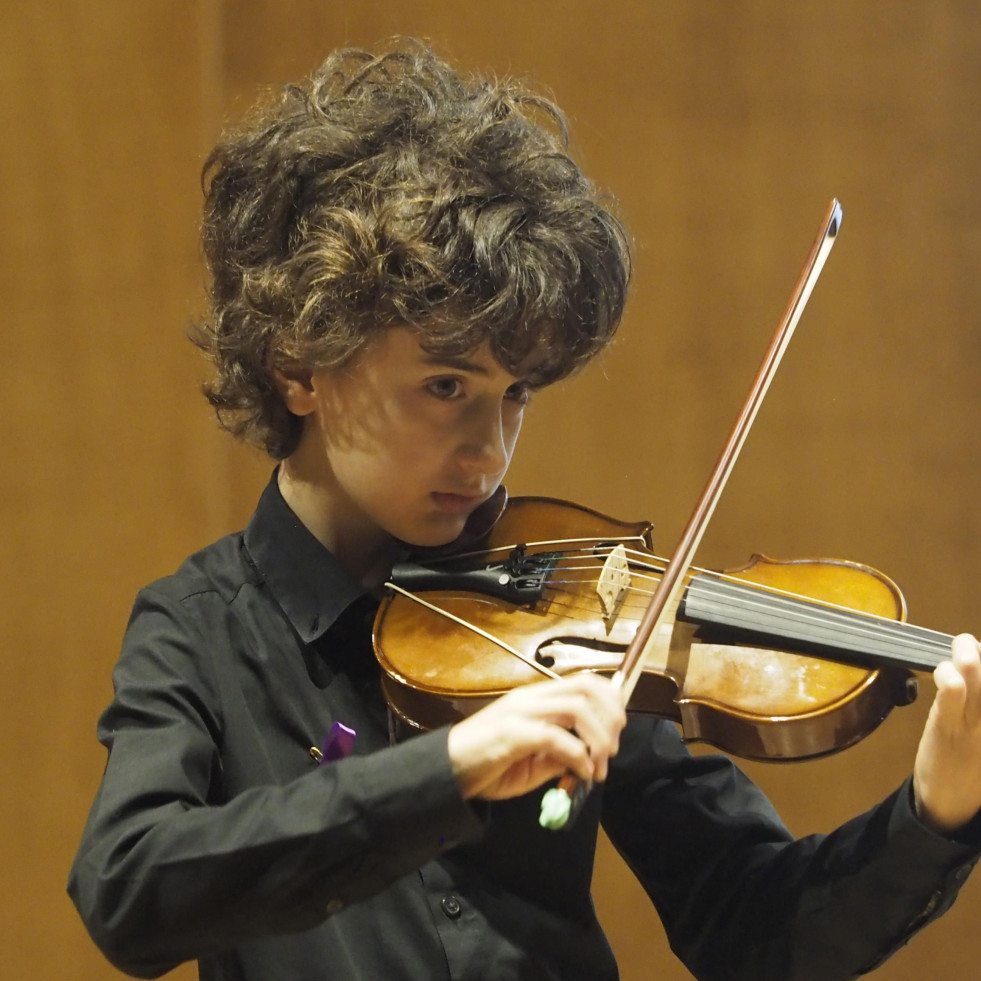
601 699
571 754
585 707
948 705
549 747
586 703
966 659
603 719
596 725
951 686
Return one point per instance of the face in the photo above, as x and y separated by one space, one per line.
405 443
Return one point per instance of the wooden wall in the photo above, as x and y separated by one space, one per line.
723 129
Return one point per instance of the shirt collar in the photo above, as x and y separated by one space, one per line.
307 581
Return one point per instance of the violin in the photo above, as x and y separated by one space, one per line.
777 660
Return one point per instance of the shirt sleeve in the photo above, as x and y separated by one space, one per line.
742 900
167 871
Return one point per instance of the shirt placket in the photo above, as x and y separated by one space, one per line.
459 924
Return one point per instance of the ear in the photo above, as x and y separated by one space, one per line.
295 386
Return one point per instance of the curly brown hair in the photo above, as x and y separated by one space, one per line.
389 190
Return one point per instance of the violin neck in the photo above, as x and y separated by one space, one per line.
806 626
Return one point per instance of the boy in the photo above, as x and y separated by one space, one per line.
399 258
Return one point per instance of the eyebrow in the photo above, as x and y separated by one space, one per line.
453 361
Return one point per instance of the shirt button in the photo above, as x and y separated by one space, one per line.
932 903
451 907
334 906
961 873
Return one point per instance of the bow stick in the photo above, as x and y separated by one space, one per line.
563 801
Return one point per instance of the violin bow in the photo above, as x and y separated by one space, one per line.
562 802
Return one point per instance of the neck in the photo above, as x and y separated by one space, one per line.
364 549
862 638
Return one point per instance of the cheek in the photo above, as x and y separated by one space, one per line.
391 474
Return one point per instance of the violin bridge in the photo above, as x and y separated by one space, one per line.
613 581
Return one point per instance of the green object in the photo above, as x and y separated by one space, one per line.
556 808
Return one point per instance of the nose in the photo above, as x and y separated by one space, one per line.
489 441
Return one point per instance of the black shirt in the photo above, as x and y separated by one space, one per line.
216 835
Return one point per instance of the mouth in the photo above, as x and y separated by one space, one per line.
457 503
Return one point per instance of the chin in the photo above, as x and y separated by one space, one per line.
433 535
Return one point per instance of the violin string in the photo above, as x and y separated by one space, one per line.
851 632
894 639
820 607
802 618
598 541
873 633
764 590
567 587
761 589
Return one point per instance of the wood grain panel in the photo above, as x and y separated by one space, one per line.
722 128
109 464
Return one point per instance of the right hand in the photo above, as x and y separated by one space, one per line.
535 733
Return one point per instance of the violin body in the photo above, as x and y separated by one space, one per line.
725 685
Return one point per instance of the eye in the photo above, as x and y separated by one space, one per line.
447 387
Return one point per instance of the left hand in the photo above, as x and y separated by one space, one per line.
947 772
